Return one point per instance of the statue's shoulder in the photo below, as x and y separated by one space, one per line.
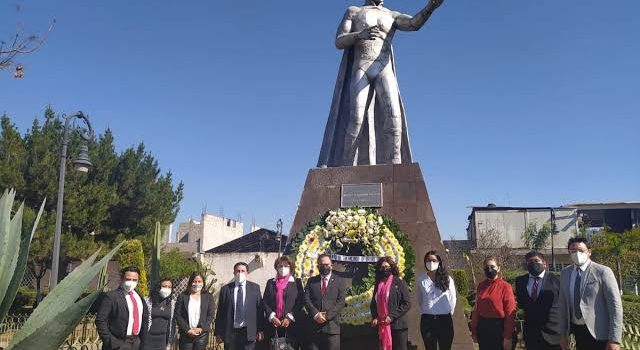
353 10
395 14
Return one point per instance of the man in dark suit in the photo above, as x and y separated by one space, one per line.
324 298
122 317
537 294
240 316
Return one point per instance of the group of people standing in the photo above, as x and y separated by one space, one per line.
583 301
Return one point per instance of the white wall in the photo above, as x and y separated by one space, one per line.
511 224
218 230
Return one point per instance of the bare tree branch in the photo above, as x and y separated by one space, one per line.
21 44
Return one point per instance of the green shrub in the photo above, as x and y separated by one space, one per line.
631 313
461 280
510 276
25 297
631 298
131 254
174 265
466 306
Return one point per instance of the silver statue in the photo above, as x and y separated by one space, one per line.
367 123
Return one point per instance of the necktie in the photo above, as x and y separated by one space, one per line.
136 317
576 294
534 289
324 286
238 316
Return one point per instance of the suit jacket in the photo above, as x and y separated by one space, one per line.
293 298
182 313
113 317
254 313
332 302
399 303
293 302
542 316
600 302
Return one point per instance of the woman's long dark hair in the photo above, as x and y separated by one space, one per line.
389 260
193 277
442 275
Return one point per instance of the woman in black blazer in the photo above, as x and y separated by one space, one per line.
194 314
397 306
284 319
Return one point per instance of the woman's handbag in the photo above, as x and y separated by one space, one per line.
281 343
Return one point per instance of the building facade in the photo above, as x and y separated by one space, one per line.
209 232
509 224
617 216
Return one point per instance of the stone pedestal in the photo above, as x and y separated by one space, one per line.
406 200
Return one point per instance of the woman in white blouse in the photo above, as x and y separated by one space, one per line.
437 300
194 314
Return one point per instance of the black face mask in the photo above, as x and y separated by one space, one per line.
384 273
324 270
535 268
490 273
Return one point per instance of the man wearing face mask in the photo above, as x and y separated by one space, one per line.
122 317
590 303
240 316
537 294
324 298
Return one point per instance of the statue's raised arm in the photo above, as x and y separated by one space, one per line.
409 23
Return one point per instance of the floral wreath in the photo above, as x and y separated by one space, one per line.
343 230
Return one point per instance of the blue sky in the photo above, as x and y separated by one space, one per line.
513 102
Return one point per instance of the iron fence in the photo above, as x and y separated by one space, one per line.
85 335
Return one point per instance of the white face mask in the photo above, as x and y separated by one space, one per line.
284 270
128 286
197 286
432 265
579 258
165 292
241 277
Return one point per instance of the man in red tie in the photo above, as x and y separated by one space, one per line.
537 294
324 298
122 318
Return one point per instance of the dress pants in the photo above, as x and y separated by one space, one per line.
399 339
195 343
437 331
323 341
584 339
130 343
490 332
239 340
533 340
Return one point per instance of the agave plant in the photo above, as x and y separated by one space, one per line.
60 312
14 249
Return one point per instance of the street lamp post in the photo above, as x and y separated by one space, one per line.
82 164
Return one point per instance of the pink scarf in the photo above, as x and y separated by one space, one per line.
382 305
281 285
